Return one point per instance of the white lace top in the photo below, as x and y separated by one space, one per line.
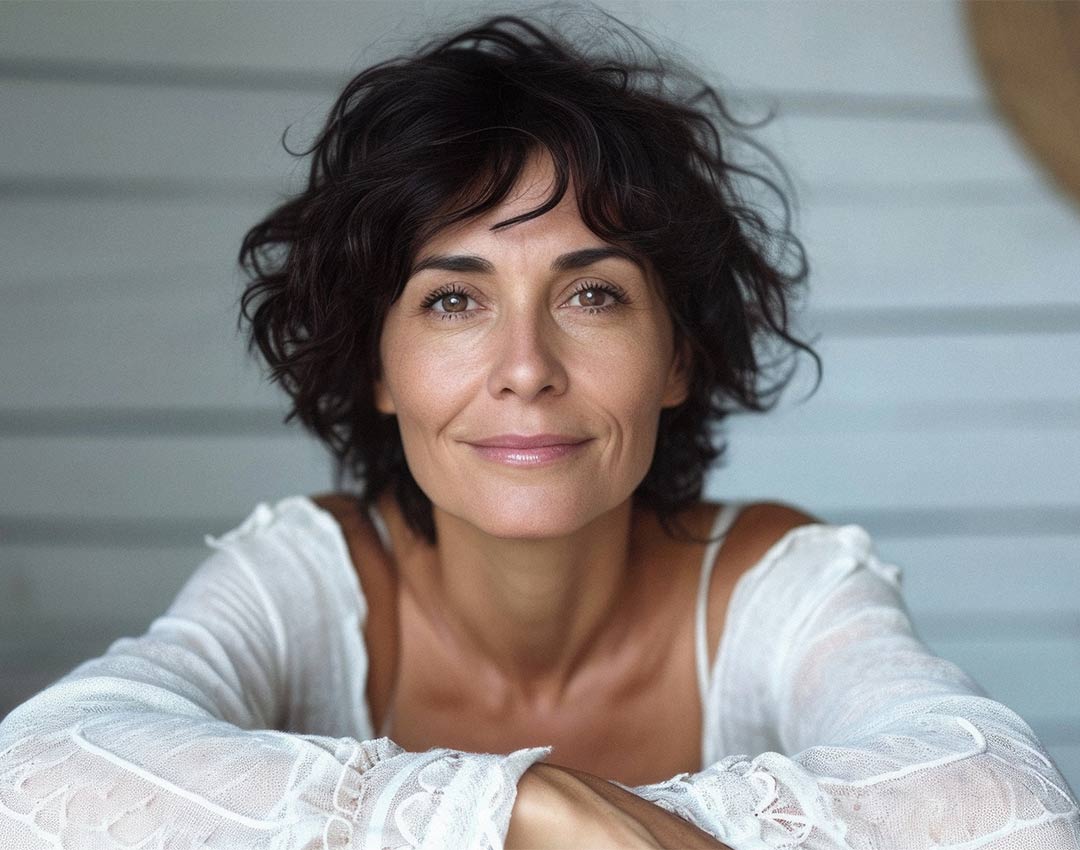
239 720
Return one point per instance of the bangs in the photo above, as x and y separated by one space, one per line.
494 161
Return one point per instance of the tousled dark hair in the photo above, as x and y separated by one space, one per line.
423 141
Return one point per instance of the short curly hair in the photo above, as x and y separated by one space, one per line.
417 143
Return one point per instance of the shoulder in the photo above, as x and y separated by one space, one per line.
369 560
355 524
760 524
756 528
343 507
376 572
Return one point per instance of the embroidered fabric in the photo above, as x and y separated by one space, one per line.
172 739
238 720
893 747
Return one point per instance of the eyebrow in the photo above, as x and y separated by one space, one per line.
565 262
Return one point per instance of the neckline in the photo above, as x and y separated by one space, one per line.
723 520
722 523
710 722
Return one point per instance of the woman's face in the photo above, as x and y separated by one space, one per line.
510 341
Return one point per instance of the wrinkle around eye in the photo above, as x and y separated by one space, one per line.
616 298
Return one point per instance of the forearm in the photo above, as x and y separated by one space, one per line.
559 807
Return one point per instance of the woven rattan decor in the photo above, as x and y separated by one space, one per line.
1029 53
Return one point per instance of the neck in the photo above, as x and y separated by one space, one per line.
527 613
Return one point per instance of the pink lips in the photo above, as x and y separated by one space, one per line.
521 441
535 450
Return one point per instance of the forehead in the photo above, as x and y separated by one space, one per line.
543 240
535 184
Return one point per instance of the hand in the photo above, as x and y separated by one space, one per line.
559 808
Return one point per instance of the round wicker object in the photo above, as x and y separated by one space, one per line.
1029 53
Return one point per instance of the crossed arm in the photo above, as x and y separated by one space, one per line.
559 807
170 739
173 738
890 745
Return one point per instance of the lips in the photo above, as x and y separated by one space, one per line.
534 457
526 441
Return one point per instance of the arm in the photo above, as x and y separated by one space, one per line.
893 747
558 808
167 739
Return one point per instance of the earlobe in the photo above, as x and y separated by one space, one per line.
383 402
678 384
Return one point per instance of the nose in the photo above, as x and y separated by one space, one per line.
525 360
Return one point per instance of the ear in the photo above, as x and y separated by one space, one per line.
384 403
677 388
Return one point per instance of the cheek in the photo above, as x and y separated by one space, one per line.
431 375
429 380
634 368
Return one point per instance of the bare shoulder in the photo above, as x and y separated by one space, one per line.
760 524
376 573
365 547
342 506
757 527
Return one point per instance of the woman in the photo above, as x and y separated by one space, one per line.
516 295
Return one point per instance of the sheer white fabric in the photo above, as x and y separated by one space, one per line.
893 747
171 740
239 721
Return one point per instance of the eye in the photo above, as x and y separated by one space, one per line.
451 299
597 297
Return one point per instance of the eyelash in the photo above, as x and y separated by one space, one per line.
453 289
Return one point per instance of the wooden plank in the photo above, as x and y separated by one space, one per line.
887 157
862 255
85 586
976 586
1037 678
18 687
837 475
123 331
866 255
181 348
889 373
204 136
987 578
840 474
156 478
825 45
114 352
164 342
56 247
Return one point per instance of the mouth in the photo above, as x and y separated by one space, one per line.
533 441
530 456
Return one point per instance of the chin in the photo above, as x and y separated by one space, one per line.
534 513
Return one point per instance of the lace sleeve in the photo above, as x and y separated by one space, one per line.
893 746
164 741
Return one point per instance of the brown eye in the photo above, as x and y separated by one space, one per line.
593 297
599 298
453 303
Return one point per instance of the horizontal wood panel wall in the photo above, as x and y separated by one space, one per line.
141 140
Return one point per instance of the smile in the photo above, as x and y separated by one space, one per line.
538 456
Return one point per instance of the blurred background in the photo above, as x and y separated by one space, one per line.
138 141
